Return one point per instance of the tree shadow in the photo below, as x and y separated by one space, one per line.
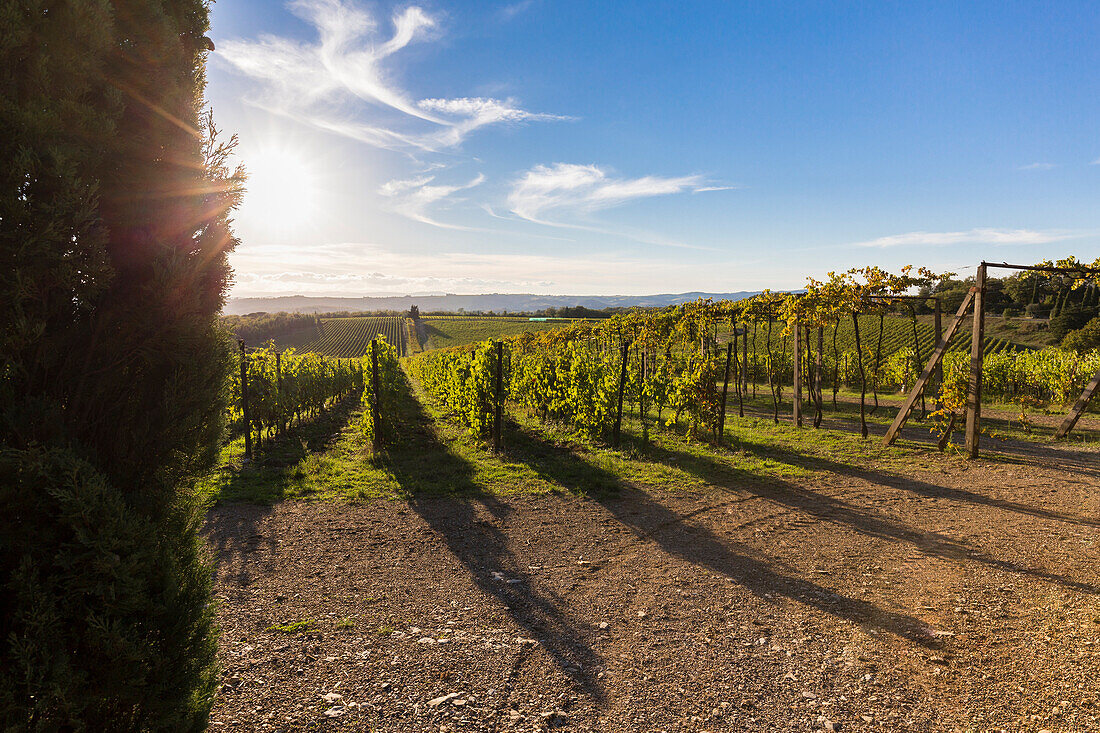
906 483
831 509
245 493
649 519
443 490
233 534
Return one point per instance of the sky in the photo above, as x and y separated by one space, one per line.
652 147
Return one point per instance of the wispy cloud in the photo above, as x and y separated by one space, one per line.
571 188
342 84
1095 162
413 197
547 193
1036 167
971 236
511 10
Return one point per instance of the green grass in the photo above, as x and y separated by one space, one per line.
441 333
327 460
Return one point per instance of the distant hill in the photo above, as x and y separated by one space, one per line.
496 302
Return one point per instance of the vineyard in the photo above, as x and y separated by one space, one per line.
275 389
673 367
350 337
897 334
440 332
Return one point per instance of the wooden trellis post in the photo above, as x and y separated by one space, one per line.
725 391
1078 408
929 369
797 375
625 350
376 401
244 402
499 398
974 393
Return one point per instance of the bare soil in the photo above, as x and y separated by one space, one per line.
962 595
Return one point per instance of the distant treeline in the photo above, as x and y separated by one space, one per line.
1031 294
257 328
566 312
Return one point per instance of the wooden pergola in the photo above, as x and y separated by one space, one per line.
976 297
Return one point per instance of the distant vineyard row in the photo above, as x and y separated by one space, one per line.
897 334
350 337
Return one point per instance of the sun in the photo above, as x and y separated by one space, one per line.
281 192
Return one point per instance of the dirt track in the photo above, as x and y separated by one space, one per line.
961 597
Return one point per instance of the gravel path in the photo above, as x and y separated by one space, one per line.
962 596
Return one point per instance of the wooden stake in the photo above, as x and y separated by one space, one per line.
622 386
974 393
797 402
376 398
279 390
818 362
725 391
1078 408
926 375
939 365
244 402
499 398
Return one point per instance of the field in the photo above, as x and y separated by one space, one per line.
350 337
441 332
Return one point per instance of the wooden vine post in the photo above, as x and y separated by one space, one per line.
279 390
974 393
376 397
641 401
1078 408
933 364
622 386
725 391
745 360
797 402
244 402
819 361
939 365
498 397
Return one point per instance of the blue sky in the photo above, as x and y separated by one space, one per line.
619 148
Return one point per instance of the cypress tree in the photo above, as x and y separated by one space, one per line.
114 198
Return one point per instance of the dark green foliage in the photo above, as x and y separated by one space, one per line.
1071 318
114 195
258 328
1085 338
109 608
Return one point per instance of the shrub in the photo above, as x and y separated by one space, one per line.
1085 338
114 197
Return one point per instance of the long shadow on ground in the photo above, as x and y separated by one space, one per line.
649 519
234 533
426 466
834 510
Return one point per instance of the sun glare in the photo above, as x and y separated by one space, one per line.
281 189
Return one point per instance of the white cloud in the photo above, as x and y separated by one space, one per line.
1095 162
971 236
512 10
571 188
1036 167
342 84
475 112
413 197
